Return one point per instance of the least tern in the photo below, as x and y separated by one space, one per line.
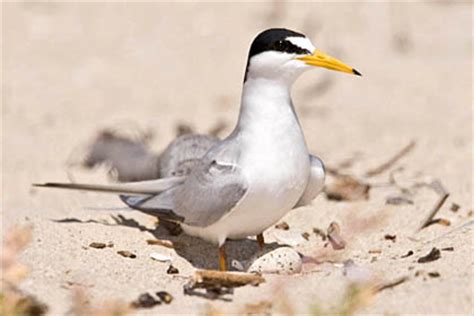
248 181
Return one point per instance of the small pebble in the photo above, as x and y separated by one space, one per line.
455 207
127 254
392 238
145 300
172 270
434 274
434 254
97 245
305 235
320 233
165 297
408 254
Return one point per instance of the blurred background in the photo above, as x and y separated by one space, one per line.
70 69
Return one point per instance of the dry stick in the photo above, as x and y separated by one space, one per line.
429 220
405 150
227 279
391 284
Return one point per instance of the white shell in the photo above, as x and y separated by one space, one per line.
282 260
289 237
160 257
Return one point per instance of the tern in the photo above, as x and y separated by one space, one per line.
248 181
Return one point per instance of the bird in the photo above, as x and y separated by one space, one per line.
246 182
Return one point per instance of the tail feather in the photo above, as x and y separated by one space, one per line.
150 187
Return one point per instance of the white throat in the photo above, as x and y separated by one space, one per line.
265 102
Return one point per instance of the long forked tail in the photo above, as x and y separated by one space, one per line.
150 187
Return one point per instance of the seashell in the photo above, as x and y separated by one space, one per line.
160 257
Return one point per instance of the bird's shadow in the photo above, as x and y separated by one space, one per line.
199 253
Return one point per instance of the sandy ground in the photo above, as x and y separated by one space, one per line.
71 69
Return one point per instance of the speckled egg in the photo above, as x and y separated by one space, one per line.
283 260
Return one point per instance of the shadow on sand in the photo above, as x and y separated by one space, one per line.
199 253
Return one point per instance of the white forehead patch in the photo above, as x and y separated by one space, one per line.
302 42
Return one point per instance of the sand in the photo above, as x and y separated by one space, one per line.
71 69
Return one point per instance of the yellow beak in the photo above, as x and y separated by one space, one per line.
320 59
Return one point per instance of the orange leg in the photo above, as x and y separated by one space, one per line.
222 258
261 241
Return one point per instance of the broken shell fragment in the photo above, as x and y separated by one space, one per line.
159 257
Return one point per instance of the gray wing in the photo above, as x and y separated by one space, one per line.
212 189
184 153
316 181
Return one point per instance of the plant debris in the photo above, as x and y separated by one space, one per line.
320 233
305 235
434 274
408 254
448 249
334 236
283 226
100 245
13 301
389 163
204 278
398 200
441 221
443 195
391 284
160 242
347 188
145 300
217 284
454 207
165 297
127 254
372 251
172 270
392 238
434 254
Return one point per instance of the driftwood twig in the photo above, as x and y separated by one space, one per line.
390 284
378 170
438 187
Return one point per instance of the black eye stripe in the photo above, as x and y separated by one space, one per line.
288 47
